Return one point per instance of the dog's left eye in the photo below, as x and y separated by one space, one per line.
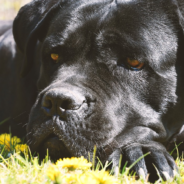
55 57
134 64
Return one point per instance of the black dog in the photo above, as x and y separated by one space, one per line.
108 73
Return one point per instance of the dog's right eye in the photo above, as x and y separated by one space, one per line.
134 65
55 57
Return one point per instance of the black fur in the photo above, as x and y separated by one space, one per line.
90 97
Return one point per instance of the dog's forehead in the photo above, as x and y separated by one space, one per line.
128 15
133 20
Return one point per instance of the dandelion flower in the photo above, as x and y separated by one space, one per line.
53 173
91 177
103 177
22 147
86 178
74 163
8 141
71 178
79 178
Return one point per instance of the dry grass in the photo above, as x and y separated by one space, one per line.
9 8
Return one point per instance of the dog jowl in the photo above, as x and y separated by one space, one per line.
109 73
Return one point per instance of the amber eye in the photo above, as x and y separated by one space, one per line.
134 64
55 57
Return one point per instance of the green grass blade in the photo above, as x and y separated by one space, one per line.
138 160
2 122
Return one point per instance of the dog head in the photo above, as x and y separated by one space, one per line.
109 74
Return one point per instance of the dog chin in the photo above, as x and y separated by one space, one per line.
54 147
54 138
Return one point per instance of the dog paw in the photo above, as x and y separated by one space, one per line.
156 161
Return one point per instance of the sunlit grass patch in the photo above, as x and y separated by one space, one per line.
78 170
17 165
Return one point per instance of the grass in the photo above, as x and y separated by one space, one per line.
18 166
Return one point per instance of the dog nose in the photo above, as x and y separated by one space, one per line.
56 101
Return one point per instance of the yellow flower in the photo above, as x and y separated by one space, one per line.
86 178
8 141
74 163
81 175
103 177
91 177
79 179
22 147
71 178
53 173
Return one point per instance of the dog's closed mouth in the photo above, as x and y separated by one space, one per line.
56 148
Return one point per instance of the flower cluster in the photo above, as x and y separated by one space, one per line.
91 177
22 148
10 144
8 141
77 171
66 171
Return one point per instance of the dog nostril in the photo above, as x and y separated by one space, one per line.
69 104
47 103
56 102
65 105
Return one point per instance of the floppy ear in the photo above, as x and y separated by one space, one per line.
180 12
179 65
31 25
